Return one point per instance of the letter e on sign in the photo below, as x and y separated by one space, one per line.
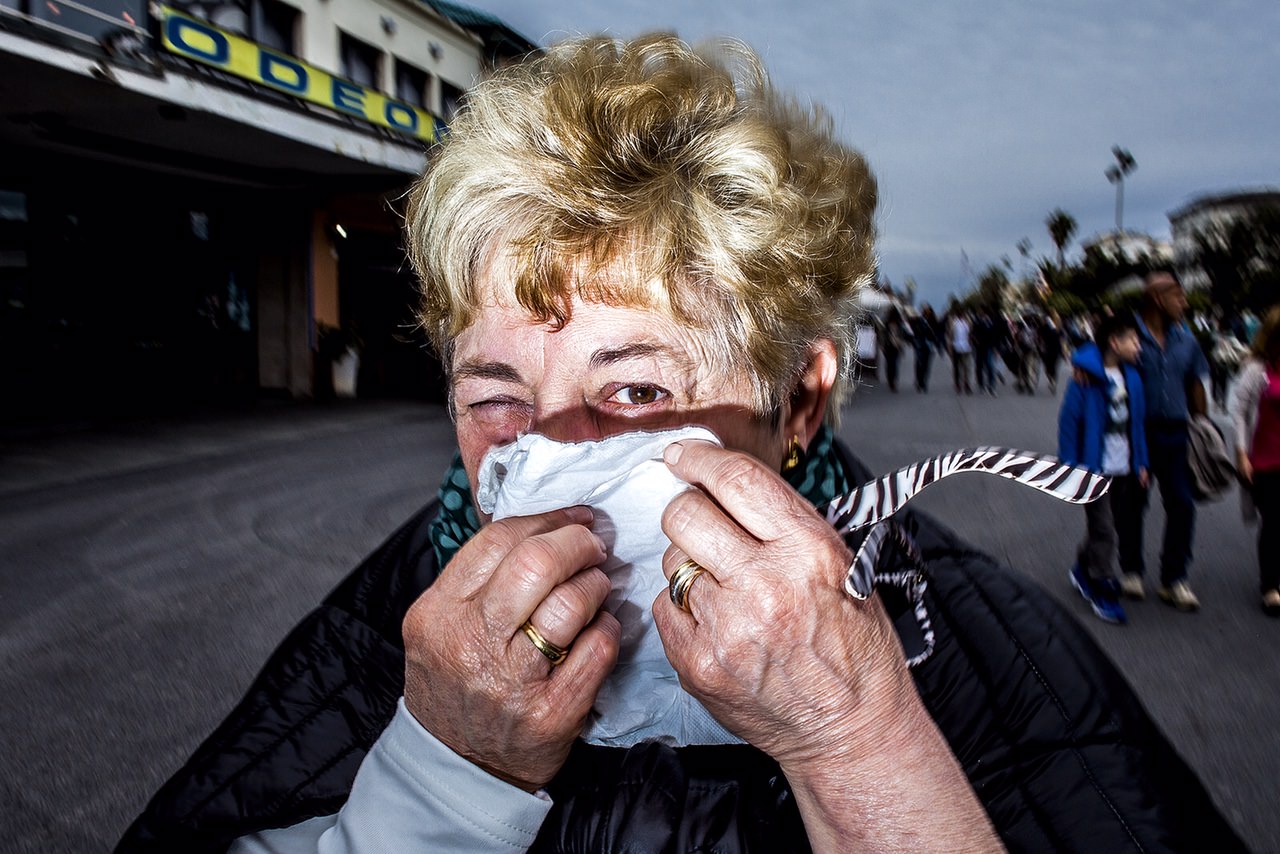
348 97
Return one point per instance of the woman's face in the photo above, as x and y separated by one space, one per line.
608 370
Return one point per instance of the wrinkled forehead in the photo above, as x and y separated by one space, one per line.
539 283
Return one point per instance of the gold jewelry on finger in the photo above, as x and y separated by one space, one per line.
555 654
793 454
681 580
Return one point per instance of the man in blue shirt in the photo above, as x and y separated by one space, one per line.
1173 368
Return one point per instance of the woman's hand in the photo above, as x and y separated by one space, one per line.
473 677
772 645
776 650
1244 467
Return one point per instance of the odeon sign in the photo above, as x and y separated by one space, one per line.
197 40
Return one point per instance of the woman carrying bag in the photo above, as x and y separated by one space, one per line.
1255 412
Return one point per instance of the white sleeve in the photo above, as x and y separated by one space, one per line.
1243 404
412 793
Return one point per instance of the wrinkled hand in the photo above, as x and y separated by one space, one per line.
473 678
773 646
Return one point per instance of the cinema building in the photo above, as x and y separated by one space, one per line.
190 192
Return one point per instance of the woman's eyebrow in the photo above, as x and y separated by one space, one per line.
500 371
611 355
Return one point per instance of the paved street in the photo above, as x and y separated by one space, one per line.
146 571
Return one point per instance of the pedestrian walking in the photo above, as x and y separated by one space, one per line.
1225 357
1173 369
987 334
960 346
926 336
1026 341
892 342
1100 427
1255 414
1050 339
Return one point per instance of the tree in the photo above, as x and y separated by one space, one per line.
991 289
1062 227
1099 271
1116 173
1242 259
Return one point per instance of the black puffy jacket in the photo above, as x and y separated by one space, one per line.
1054 742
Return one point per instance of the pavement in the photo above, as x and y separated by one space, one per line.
148 568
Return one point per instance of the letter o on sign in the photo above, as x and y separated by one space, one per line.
197 40
401 116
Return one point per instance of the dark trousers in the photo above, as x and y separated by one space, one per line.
1051 370
891 356
924 361
1266 497
1113 525
1167 445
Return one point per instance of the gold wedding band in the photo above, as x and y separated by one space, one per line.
555 654
681 580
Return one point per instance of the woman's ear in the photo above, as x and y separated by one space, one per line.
807 406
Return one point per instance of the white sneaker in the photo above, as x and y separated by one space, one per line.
1131 586
1179 595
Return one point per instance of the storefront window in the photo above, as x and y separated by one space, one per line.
411 84
450 96
360 61
276 25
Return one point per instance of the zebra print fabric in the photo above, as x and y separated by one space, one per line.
908 575
874 502
881 498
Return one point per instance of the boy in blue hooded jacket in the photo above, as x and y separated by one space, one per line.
1101 427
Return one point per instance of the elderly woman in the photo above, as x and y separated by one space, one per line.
619 239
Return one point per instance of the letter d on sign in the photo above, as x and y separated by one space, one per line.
197 41
282 72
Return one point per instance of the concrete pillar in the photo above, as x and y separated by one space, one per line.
285 358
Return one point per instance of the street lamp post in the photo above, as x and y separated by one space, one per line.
1116 173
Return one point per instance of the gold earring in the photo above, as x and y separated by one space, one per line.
793 454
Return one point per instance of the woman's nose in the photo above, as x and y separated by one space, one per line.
570 424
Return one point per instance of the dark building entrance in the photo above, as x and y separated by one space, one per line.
121 290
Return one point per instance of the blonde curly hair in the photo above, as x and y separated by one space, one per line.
649 173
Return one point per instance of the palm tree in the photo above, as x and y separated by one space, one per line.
1116 173
1062 226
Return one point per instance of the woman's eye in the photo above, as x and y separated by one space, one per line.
639 395
498 408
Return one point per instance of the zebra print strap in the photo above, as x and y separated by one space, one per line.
881 498
906 573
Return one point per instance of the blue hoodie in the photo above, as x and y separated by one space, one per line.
1083 418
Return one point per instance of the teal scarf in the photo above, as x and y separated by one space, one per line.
819 478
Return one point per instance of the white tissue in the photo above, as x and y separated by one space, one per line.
624 480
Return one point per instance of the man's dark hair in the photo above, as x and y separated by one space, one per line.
1116 324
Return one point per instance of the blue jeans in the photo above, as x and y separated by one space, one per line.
1167 445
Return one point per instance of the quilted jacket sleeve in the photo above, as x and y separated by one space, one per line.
1056 744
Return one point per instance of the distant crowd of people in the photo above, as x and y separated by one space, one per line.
981 344
1136 409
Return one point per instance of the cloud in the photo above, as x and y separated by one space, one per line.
981 117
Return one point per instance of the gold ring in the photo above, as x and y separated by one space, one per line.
555 654
681 580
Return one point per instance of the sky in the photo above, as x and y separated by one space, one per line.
981 117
